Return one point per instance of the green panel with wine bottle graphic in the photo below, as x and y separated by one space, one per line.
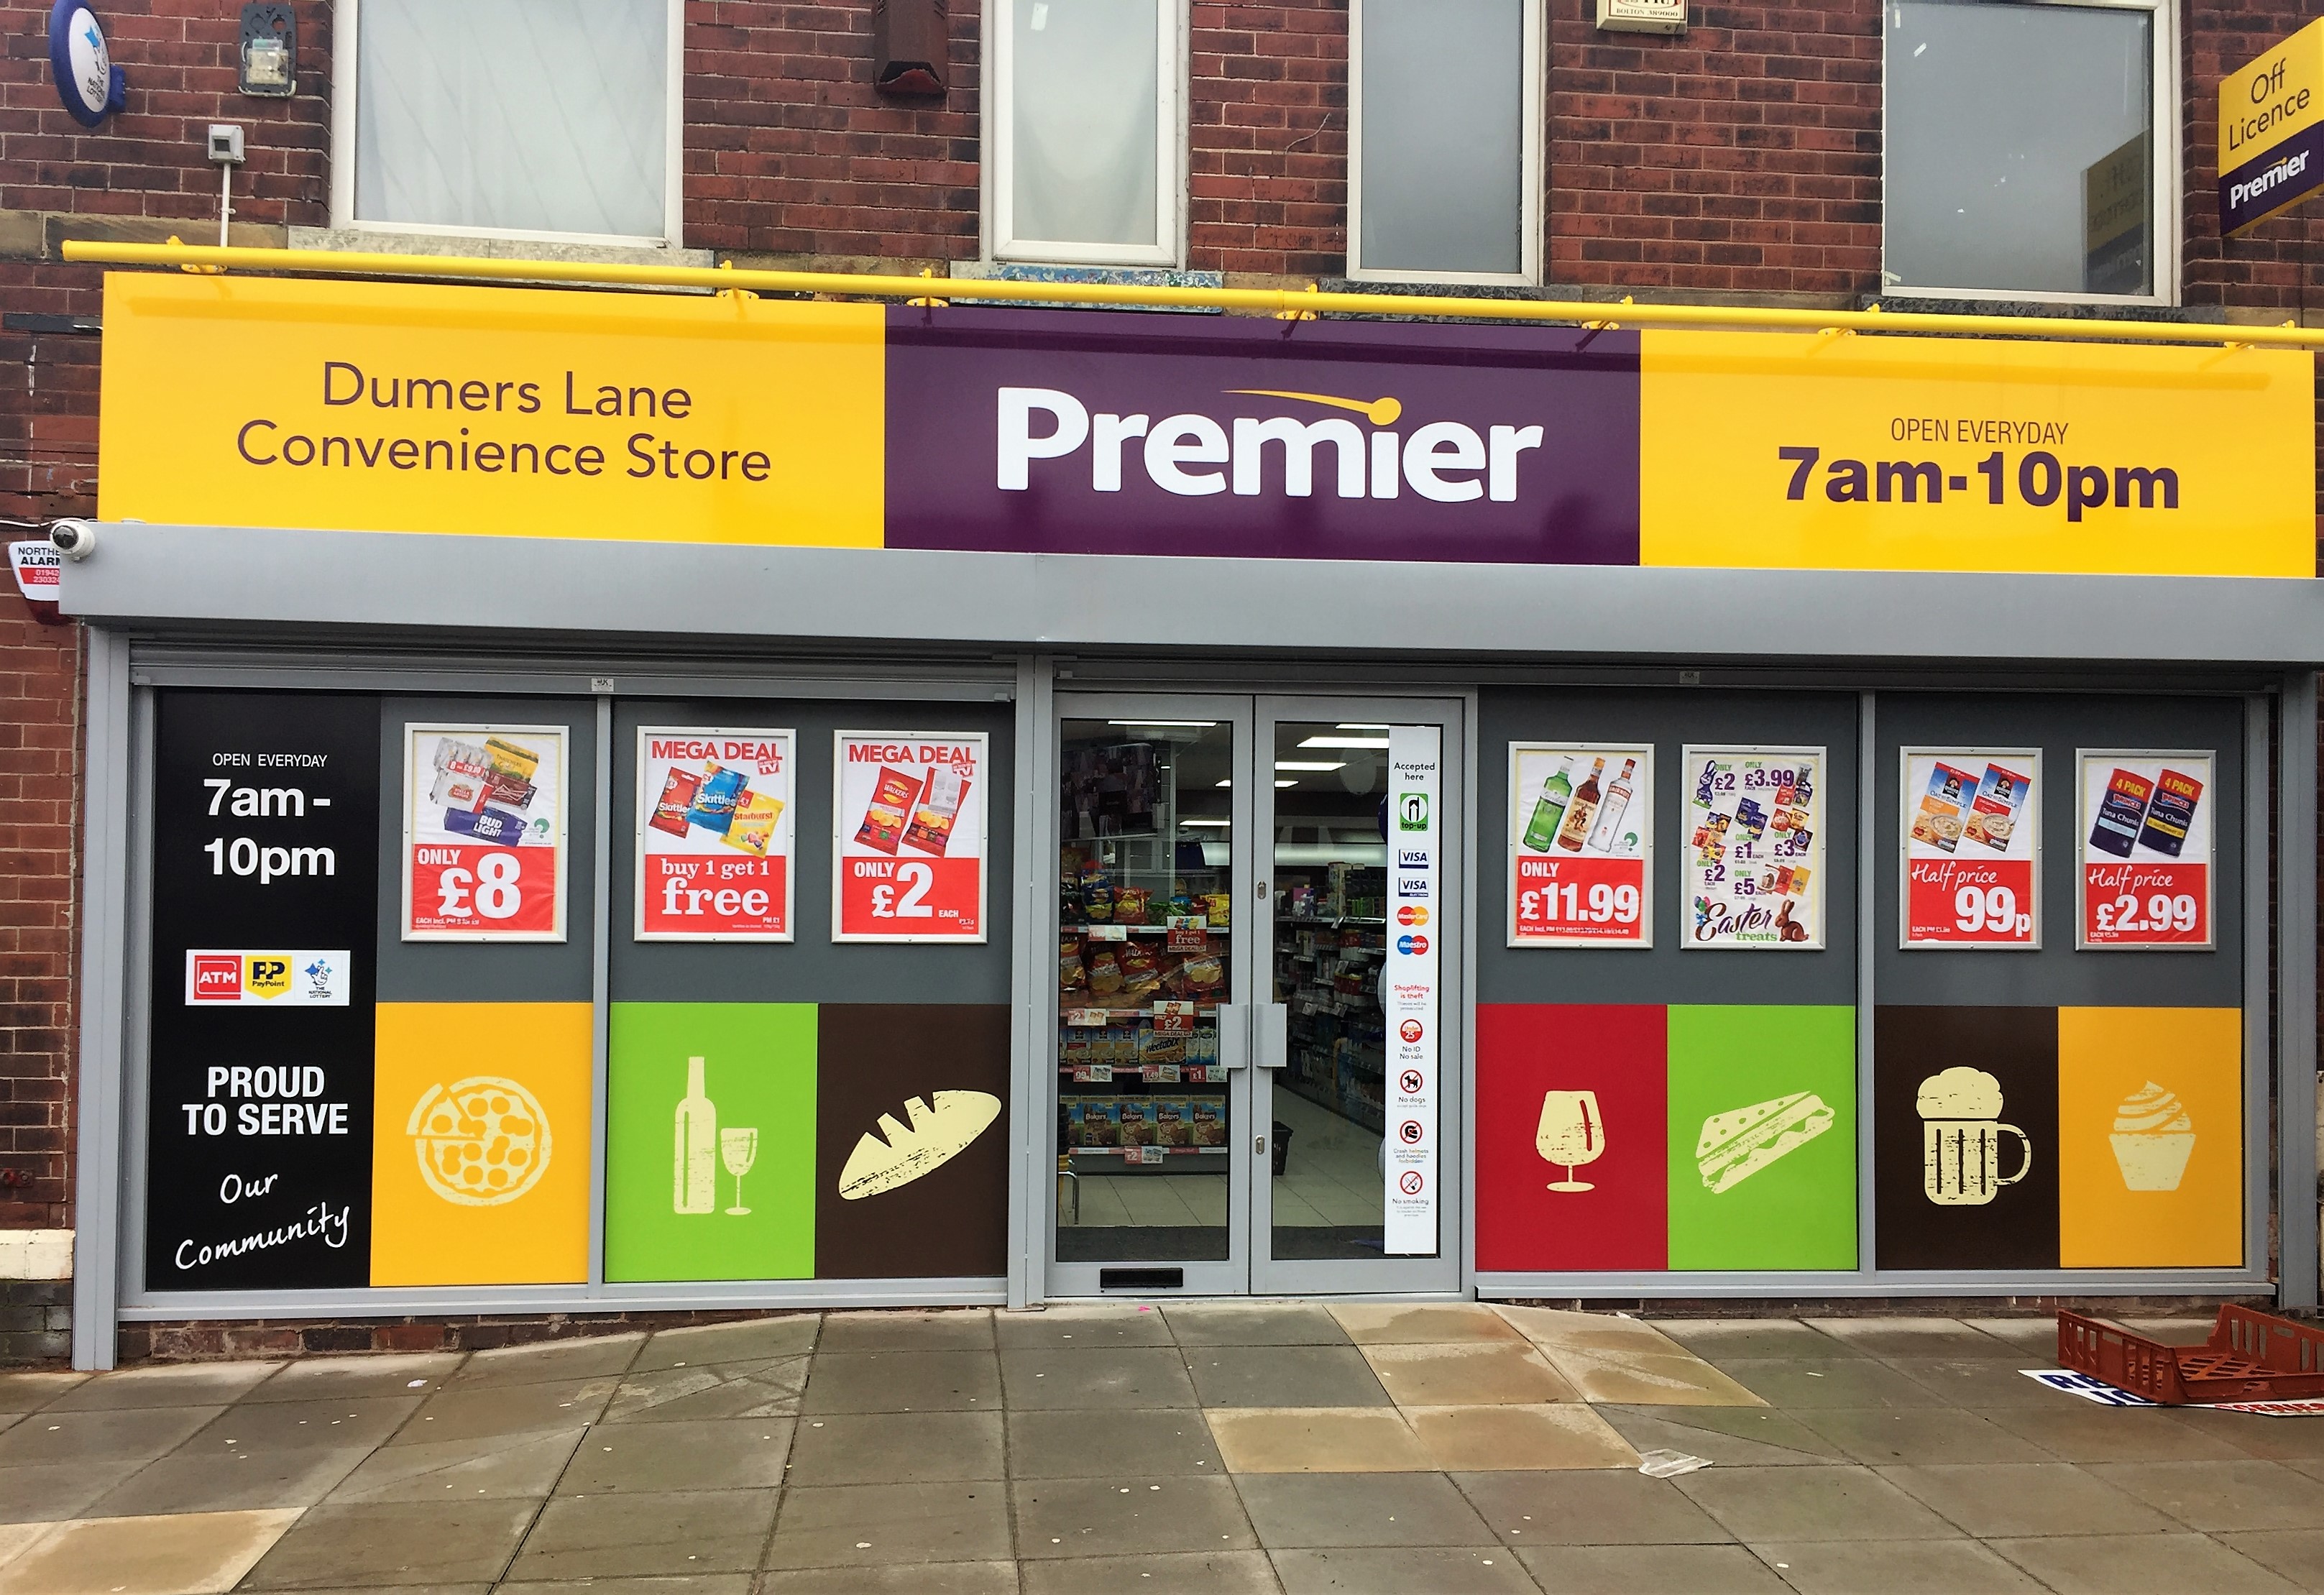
710 1141
1762 1126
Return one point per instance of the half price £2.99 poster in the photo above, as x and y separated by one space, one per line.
715 827
484 832
1972 825
909 835
2144 837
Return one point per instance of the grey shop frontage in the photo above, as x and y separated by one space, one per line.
479 918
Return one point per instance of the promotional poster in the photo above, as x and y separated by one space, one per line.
715 820
1581 845
2144 837
908 810
484 833
1751 833
1972 830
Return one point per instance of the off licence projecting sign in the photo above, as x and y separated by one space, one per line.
909 811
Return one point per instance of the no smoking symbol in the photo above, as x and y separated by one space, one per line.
1410 1132
1411 1081
1410 1182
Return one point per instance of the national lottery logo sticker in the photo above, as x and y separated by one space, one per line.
224 976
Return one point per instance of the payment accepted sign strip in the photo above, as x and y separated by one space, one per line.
1409 986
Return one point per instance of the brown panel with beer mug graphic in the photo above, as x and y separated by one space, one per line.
1965 1136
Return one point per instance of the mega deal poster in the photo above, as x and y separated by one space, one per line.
715 819
909 839
484 832
1752 847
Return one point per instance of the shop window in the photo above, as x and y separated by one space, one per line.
1085 123
1444 167
2031 149
506 118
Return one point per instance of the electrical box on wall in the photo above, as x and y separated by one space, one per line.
911 46
1642 16
270 51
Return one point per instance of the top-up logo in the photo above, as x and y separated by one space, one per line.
1411 811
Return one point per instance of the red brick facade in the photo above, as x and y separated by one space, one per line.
1741 159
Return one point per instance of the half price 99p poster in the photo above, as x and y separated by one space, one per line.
484 832
909 840
714 824
1972 825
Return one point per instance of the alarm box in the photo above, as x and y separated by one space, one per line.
911 46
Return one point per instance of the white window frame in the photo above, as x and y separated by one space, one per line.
2169 239
347 26
1532 179
1170 251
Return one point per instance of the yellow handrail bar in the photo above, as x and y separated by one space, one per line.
1286 303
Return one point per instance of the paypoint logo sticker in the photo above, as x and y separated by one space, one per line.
266 976
285 980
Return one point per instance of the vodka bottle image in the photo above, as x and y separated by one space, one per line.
1581 810
695 1187
1610 813
1541 830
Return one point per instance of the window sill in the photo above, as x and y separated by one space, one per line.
2077 306
479 246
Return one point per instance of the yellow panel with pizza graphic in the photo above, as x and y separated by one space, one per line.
479 1144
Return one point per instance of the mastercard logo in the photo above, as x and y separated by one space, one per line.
1410 914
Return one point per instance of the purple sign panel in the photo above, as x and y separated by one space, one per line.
1105 432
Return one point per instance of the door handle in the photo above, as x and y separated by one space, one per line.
1233 1019
1271 1040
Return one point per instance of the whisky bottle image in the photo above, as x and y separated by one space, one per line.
1541 830
1581 810
1609 813
695 1182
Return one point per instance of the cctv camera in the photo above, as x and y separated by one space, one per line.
75 539
225 144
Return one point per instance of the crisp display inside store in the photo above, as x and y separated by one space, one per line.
484 832
2143 841
715 813
1581 845
1751 841
908 855
1972 848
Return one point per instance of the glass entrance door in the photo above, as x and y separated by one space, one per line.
1231 1110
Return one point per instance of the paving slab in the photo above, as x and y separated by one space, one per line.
1634 1570
923 1578
15 1538
887 1447
1680 1379
1106 1378
1080 1517
1884 1437
165 1384
2140 1565
288 1426
1802 1383
1894 1567
1980 1382
1312 1511
489 1412
2248 1494
2282 1440
1483 1373
1393 1323
101 1435
550 1362
1208 1573
249 1480
2035 1337
29 1391
637 1534
1767 1504
505 1467
754 1340
860 1526
1284 1375
1565 1434
340 1379
2078 1430
1729 1339
1537 1508
1733 1437
1486 1570
1893 1337
2009 1501
395 1542
951 1329
2296 1554
708 1583
902 1381
1065 1444
1253 1323
1317 1439
733 1454
189 1553
1077 1327
52 1492
767 1388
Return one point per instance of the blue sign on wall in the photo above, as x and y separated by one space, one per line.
91 86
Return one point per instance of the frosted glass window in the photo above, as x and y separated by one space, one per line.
1085 95
1441 136
513 114
2020 148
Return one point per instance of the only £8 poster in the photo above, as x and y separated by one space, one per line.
1752 835
909 846
484 832
1972 825
1581 845
714 828
2144 837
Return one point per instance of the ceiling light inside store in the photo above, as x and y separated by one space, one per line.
1345 742
1190 825
1280 785
1317 765
1359 725
1196 724
1226 783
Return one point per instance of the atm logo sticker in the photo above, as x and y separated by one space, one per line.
308 979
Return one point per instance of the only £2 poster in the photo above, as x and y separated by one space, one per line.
1972 834
1581 845
716 812
909 835
2142 837
484 832
1752 835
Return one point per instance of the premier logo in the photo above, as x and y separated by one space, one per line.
2272 177
1441 461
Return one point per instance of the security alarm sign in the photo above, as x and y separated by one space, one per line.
714 812
909 841
484 832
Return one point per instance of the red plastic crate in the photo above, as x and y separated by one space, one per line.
2250 1357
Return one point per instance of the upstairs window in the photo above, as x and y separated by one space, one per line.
510 118
1084 112
1445 168
2032 150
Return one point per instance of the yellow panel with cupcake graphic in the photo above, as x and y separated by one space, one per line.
2151 1148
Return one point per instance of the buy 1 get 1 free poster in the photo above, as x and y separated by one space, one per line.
1972 823
909 811
1752 840
715 813
484 832
1581 845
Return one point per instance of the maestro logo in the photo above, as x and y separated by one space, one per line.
1412 943
1411 811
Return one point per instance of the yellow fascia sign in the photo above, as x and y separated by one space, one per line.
2271 132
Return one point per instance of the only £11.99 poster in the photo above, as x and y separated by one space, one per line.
1972 824
910 839
715 811
484 832
1581 845
1751 839
2143 841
